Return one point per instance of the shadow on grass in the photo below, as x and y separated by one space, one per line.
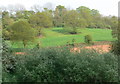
63 31
60 31
100 40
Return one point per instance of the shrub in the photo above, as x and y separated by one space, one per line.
60 65
38 45
8 63
108 26
116 47
70 30
72 44
22 31
88 39
73 41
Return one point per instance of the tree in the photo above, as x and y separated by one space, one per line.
16 11
59 13
23 14
5 34
72 21
49 13
92 17
85 13
27 14
114 26
40 20
21 31
96 21
6 20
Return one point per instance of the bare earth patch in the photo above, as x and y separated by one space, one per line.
99 48
20 53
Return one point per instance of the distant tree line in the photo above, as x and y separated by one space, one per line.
39 18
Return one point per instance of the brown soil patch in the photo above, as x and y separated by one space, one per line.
99 48
20 53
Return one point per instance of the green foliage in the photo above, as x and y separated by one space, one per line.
21 31
72 21
87 17
5 34
40 20
88 39
60 65
8 61
116 33
24 14
5 47
6 20
85 13
59 13
57 37
72 43
114 26
38 45
116 47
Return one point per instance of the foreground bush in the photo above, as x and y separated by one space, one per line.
60 65
116 47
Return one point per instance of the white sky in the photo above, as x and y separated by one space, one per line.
106 7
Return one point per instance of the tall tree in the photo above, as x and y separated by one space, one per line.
114 26
116 34
58 16
21 31
23 14
95 19
6 20
85 12
72 21
40 20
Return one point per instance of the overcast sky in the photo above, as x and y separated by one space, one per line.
106 7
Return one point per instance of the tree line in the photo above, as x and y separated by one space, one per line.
19 22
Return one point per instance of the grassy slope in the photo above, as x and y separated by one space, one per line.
57 36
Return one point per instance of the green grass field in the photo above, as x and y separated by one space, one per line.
57 37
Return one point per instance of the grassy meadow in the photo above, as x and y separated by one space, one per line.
57 37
